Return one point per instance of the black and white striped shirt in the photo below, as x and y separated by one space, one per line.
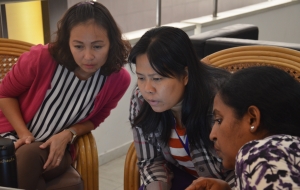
68 101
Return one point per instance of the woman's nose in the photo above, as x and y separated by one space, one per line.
149 87
88 54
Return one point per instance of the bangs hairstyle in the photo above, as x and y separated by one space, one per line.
273 91
166 61
170 52
81 13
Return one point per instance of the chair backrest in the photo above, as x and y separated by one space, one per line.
237 58
10 51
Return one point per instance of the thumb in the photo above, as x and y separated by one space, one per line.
17 144
28 140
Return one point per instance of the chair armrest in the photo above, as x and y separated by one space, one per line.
131 172
86 162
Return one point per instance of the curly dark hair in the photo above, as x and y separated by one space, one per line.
81 13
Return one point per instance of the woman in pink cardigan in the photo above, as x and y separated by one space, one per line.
63 90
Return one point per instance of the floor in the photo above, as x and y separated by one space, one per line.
112 174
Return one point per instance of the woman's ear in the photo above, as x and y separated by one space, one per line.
186 77
254 122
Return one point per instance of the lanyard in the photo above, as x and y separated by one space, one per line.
186 144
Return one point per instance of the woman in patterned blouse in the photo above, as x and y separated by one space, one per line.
256 130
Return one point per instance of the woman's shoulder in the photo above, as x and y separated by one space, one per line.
39 48
268 163
121 77
277 144
38 57
37 52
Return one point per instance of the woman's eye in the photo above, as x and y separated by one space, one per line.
140 78
157 79
97 47
219 121
78 46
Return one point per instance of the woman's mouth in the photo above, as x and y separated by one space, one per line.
88 66
217 150
152 102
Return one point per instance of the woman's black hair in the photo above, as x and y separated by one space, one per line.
84 12
170 51
273 91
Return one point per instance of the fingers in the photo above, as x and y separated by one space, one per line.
198 184
208 184
18 143
45 144
56 153
52 162
29 139
24 140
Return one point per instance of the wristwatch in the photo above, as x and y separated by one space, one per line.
74 135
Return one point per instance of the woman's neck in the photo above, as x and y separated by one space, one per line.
176 110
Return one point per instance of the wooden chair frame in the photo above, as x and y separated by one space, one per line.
237 58
232 59
86 162
131 171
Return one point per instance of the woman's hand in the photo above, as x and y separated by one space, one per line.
57 146
208 184
27 139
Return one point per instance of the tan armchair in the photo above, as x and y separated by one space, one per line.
232 59
86 163
237 58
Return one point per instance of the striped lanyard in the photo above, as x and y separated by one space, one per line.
186 144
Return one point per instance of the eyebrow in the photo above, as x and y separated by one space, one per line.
98 41
214 112
151 75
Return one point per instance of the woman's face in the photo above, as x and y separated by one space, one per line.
228 133
89 45
160 92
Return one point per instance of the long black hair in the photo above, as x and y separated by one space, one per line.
170 52
273 91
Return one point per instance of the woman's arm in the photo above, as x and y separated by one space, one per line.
151 162
11 109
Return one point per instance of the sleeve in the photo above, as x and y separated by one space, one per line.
118 87
21 76
151 162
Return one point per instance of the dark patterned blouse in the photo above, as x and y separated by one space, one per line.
270 163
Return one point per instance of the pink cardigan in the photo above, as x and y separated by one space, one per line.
30 78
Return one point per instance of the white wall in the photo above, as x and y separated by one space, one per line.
114 135
282 25
138 14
